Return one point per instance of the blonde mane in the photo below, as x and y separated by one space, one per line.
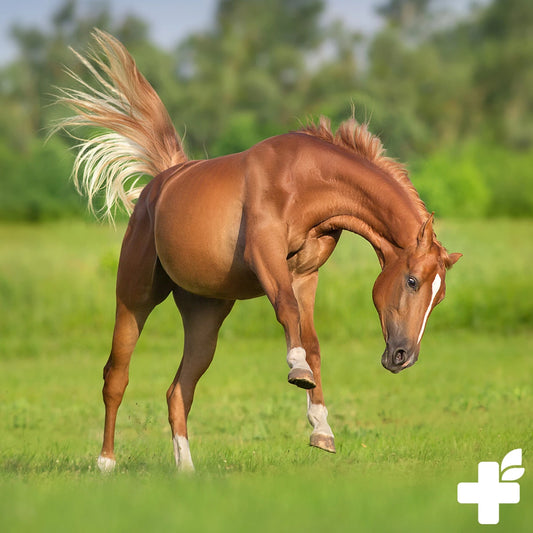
356 138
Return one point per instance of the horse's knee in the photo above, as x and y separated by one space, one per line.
115 383
286 309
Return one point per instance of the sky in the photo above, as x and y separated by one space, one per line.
170 21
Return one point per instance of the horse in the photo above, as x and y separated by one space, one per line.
260 222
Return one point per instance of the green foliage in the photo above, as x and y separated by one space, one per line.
427 87
504 71
508 175
35 184
452 184
249 70
240 132
476 179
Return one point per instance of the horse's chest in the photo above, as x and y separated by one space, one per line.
313 253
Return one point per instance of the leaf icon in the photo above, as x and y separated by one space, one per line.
513 458
512 474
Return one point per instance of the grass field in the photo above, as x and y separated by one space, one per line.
403 442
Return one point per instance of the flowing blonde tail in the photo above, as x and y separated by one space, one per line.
136 136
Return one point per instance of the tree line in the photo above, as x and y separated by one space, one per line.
450 96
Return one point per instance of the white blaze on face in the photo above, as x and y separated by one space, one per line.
435 286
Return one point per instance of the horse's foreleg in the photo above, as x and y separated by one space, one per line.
322 436
128 326
202 318
269 263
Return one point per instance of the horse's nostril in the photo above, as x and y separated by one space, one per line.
399 357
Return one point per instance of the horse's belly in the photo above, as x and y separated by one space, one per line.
209 275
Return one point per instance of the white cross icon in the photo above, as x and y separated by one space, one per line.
489 492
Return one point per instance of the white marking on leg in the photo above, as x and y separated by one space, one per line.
182 454
317 414
296 359
106 464
435 286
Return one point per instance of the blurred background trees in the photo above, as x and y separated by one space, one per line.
451 97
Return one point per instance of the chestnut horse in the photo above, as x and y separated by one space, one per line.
260 222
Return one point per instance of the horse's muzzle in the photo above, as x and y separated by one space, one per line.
398 356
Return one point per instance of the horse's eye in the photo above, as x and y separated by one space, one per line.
412 283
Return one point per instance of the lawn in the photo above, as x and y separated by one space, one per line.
403 442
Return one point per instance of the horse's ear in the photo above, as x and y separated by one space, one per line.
452 259
425 235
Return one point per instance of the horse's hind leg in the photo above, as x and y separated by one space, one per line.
128 327
129 323
141 285
202 318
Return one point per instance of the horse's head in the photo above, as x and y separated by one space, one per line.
405 293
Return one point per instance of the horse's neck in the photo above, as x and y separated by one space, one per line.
361 198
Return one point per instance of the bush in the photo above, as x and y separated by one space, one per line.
508 175
36 185
452 185
476 180
241 131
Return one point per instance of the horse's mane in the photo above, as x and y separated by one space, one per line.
356 138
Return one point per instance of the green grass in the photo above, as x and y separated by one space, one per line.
403 442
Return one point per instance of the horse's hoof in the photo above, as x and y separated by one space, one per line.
106 465
303 378
324 442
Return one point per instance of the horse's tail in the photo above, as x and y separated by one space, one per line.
136 136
